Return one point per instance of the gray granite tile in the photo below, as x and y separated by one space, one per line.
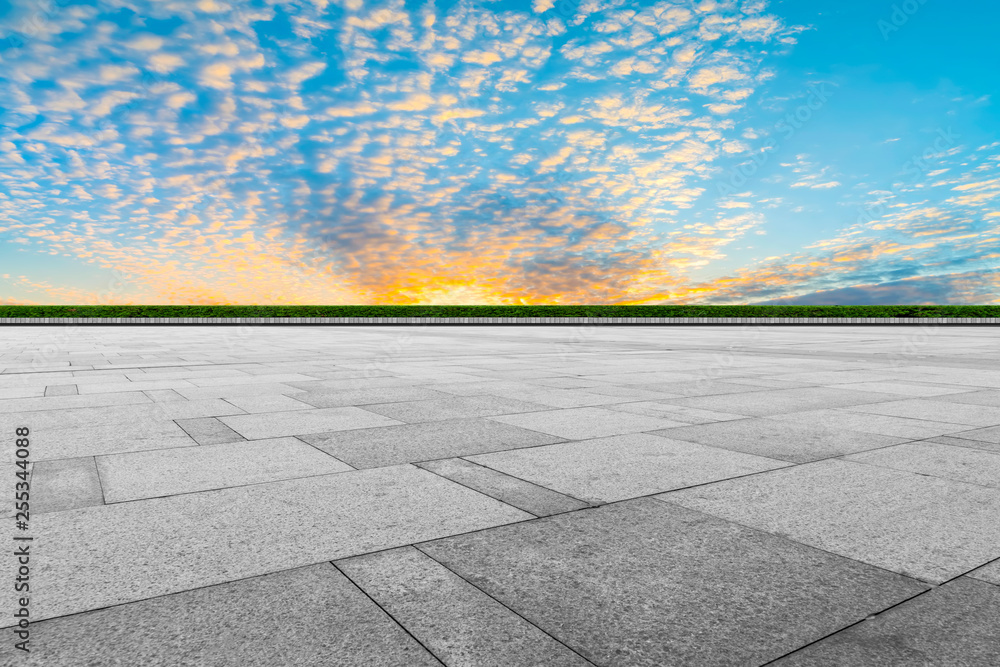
778 401
898 427
301 422
209 431
954 624
61 390
166 472
523 495
990 398
355 384
91 439
307 616
145 385
925 527
956 441
624 466
164 395
674 413
989 573
964 464
990 435
579 423
705 387
647 583
267 403
333 398
905 388
65 484
632 392
229 390
69 402
407 443
208 407
934 410
780 440
100 556
459 623
644 377
455 407
269 378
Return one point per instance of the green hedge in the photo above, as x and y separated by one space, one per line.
499 311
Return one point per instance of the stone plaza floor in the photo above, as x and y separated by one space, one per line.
516 495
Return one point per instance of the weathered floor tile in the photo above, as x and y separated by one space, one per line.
323 420
624 466
989 573
897 427
987 397
69 402
675 413
267 403
168 472
646 583
334 398
307 616
779 401
92 439
164 396
523 495
145 385
269 378
209 431
61 390
925 527
904 388
990 435
459 623
455 407
408 443
920 408
780 440
954 624
580 423
965 464
956 441
99 556
229 390
65 484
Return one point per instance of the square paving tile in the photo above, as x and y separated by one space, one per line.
898 427
944 411
277 424
523 495
989 573
780 440
100 556
925 527
64 484
674 412
307 616
779 401
965 464
454 407
989 435
955 624
209 431
91 439
458 622
623 466
646 583
267 403
333 398
407 443
580 423
904 388
167 472
990 398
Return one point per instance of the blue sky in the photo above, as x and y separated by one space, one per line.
201 151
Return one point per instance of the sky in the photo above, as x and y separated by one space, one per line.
499 152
